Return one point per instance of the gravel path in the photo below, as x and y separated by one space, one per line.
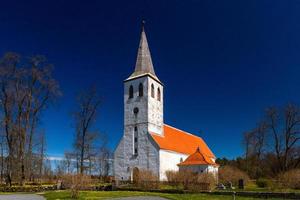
140 198
21 197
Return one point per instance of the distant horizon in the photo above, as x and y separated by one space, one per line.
221 63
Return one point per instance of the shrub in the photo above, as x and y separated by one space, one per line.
186 178
75 183
146 180
171 176
263 183
232 174
191 181
174 178
205 181
290 179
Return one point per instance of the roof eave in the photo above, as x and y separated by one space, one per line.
191 164
142 75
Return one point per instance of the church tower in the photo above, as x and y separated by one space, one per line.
143 93
147 143
143 116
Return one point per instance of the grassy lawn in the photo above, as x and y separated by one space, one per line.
114 194
251 186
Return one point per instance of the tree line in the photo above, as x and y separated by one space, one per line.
27 89
272 147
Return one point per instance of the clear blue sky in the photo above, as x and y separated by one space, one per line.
222 62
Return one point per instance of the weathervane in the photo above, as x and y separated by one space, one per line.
143 23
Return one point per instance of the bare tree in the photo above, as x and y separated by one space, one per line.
41 156
103 157
47 169
284 127
26 89
255 144
275 142
2 151
69 159
88 103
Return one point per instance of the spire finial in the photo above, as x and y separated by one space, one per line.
143 24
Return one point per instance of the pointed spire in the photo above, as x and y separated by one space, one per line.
143 61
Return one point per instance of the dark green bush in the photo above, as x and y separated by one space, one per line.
263 183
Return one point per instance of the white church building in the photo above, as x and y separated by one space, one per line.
148 143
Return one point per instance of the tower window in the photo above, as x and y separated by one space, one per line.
130 92
136 110
141 90
152 90
135 141
158 94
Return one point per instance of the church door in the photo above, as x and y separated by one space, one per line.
135 175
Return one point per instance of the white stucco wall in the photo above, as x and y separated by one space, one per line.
201 169
168 161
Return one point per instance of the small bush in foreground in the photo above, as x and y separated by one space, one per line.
263 183
202 182
76 182
191 181
172 177
232 174
290 179
146 180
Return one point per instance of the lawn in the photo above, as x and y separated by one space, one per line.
251 186
59 195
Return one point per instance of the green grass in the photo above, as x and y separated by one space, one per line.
60 195
251 186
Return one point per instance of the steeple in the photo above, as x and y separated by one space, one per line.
143 63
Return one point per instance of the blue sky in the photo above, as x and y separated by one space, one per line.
222 62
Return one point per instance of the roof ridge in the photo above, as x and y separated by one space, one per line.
141 75
180 141
183 131
197 158
172 151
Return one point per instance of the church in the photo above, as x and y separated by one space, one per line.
148 143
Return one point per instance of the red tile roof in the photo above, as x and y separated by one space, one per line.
180 141
197 158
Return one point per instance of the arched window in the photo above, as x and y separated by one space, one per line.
158 94
135 141
130 92
152 90
141 90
